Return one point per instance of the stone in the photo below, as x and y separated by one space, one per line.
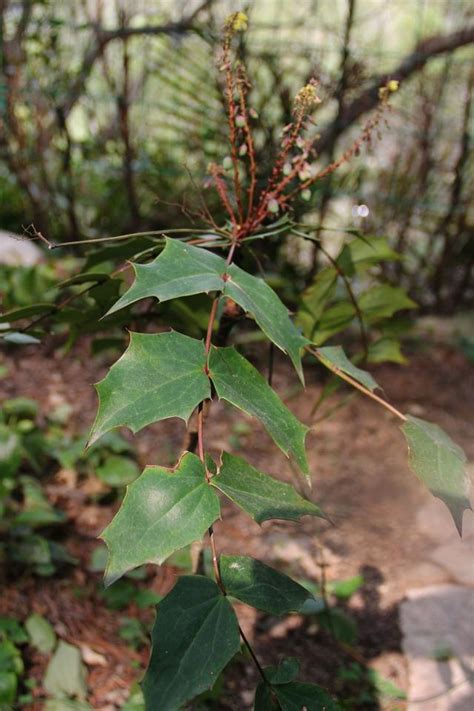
438 640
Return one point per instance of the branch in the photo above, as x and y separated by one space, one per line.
103 37
427 49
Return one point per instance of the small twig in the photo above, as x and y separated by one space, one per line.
357 385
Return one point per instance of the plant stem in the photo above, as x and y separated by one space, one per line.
357 385
201 453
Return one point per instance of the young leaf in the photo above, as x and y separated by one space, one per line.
238 382
195 635
183 270
439 463
261 496
163 510
335 356
260 586
159 376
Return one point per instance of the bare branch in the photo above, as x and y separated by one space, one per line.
412 63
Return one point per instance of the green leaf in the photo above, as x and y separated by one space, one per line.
318 294
184 270
297 695
163 510
382 301
180 270
8 688
41 632
10 453
26 312
194 637
344 589
12 629
10 658
286 671
360 254
258 494
66 674
335 356
118 471
385 687
238 382
338 624
260 586
159 376
386 350
293 696
333 320
84 278
256 297
439 463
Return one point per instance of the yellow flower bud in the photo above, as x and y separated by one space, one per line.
236 22
393 85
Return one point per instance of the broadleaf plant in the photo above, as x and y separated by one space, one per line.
170 374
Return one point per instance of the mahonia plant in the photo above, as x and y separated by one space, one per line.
169 374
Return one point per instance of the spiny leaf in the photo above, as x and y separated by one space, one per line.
335 356
262 587
180 270
183 270
163 510
195 635
261 496
238 382
256 297
159 376
439 463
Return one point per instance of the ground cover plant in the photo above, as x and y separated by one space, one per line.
172 374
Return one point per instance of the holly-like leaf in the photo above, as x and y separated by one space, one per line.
180 270
195 635
183 270
439 463
258 494
334 357
238 382
382 301
256 297
163 510
159 376
260 586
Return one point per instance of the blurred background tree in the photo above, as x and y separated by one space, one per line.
110 112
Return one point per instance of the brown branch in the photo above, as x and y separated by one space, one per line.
412 63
